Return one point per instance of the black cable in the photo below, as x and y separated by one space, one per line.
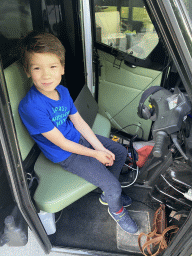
133 125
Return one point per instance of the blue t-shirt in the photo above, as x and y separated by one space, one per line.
41 114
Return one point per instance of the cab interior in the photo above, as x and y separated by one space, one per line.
110 108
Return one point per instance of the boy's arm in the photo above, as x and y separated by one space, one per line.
87 133
57 138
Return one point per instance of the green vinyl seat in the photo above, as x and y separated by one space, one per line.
57 187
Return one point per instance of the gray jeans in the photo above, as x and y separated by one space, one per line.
96 173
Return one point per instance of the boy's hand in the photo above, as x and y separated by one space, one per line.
106 158
109 152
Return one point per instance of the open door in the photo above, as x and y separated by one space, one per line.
13 227
17 211
16 207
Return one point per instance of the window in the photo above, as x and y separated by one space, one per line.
15 22
52 17
126 26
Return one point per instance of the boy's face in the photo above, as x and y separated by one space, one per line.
46 71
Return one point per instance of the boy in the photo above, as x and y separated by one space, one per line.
64 137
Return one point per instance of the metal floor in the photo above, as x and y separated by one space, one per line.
31 249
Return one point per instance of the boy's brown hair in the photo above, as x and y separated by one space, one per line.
41 42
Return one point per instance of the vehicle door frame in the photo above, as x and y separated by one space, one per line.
14 167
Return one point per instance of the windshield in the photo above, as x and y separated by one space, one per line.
183 13
188 6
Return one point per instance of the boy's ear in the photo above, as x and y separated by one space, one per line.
27 73
63 70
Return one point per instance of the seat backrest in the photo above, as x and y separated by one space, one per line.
18 85
86 105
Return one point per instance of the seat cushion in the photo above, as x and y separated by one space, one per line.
57 187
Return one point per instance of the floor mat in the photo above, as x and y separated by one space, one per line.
86 224
129 242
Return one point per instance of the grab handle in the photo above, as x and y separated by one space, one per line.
160 138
